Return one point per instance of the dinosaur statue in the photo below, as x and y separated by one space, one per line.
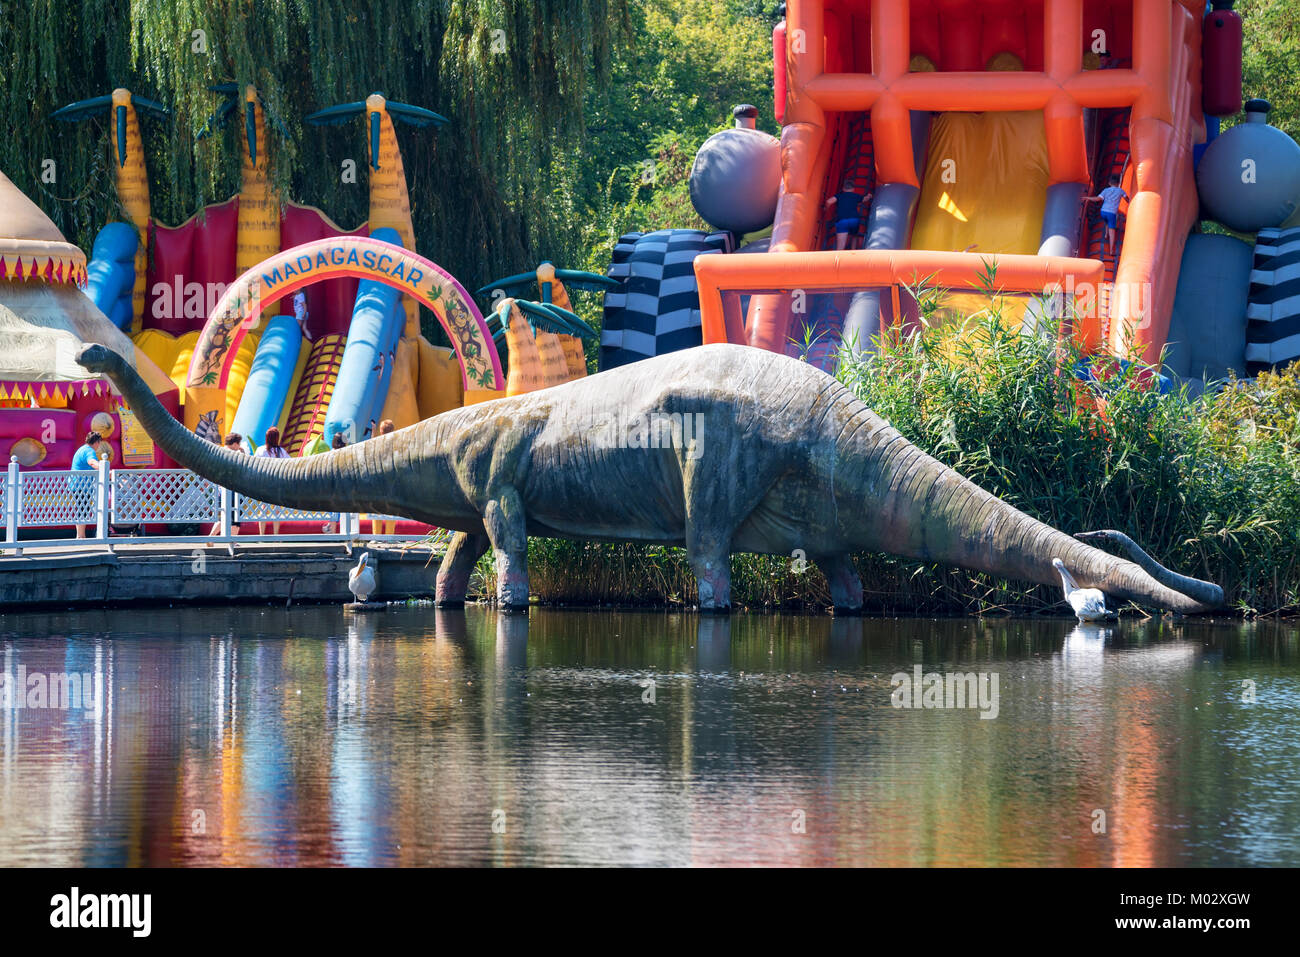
718 449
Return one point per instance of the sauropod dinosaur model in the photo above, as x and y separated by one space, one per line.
718 449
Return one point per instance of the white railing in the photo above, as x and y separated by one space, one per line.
105 497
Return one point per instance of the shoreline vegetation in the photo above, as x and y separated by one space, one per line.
1208 485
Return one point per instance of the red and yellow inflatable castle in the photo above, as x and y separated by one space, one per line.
349 357
47 402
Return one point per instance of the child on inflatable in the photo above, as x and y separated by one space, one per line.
1110 198
848 204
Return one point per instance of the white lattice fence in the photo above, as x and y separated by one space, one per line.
143 497
251 510
164 496
57 498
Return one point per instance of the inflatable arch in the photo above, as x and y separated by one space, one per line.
239 309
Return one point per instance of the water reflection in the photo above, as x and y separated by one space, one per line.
413 736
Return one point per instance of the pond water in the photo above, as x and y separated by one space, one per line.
257 735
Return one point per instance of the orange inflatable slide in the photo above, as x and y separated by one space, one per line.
974 132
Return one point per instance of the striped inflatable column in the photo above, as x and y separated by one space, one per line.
574 355
259 206
658 309
525 373
390 206
1273 313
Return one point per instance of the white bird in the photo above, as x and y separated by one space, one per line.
361 580
1089 604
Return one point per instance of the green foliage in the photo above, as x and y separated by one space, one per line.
693 60
545 156
1211 486
515 98
1272 44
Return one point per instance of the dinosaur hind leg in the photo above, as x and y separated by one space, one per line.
845 585
463 552
504 519
711 562
718 499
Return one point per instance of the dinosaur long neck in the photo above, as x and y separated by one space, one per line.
919 508
402 473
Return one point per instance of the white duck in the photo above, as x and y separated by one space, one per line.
361 580
1089 604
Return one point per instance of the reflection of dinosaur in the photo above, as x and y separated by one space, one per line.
718 449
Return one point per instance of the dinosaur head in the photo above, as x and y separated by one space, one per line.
97 358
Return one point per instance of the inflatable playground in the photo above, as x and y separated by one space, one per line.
257 313
1059 154
926 141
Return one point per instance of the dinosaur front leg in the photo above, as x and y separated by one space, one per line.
710 559
503 518
845 585
463 552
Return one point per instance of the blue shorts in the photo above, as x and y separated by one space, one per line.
849 225
1109 218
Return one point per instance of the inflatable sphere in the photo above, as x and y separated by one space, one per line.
1249 177
735 178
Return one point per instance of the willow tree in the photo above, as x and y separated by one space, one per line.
510 74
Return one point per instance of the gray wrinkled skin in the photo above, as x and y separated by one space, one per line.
768 455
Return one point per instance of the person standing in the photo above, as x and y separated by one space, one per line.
338 442
386 527
235 442
271 449
300 313
1110 198
848 204
86 459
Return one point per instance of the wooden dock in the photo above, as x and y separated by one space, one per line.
207 573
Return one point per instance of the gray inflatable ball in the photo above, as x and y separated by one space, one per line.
1249 177
1207 333
735 178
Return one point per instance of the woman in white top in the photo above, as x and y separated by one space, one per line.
271 450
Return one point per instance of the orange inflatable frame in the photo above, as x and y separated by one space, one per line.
1162 88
